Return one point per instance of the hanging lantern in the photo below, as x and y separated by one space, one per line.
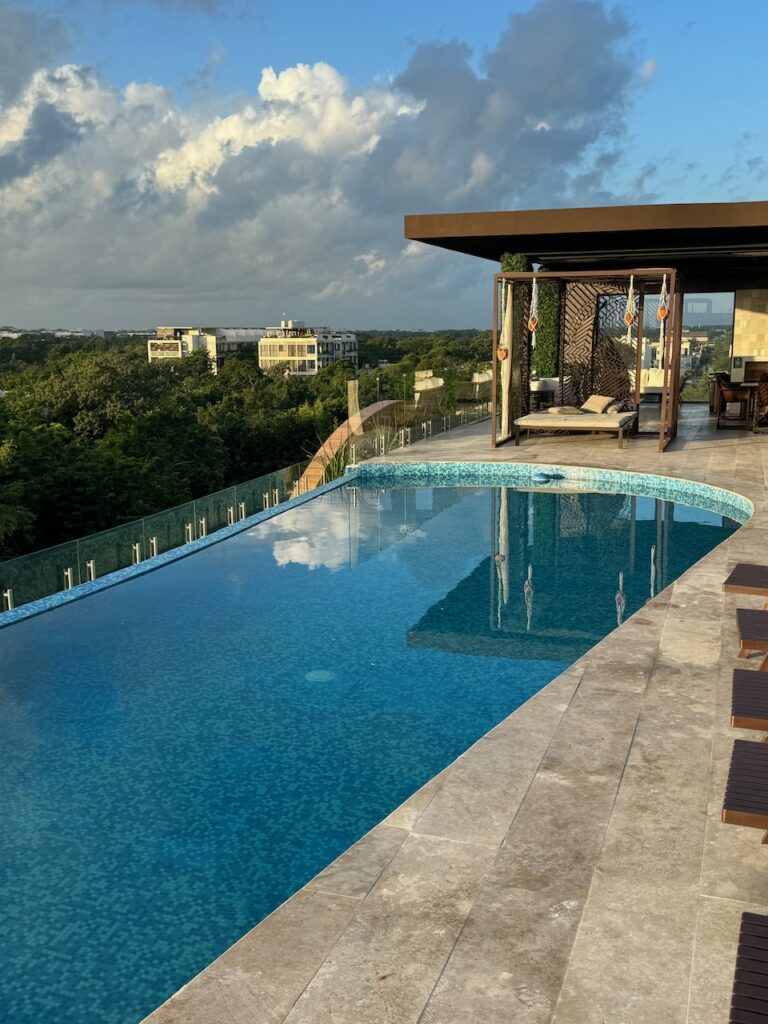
661 314
629 313
533 317
501 353
663 310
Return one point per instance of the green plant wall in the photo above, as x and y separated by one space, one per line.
515 263
544 358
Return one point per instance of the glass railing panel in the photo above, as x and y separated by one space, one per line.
113 549
170 528
249 497
295 480
39 574
214 511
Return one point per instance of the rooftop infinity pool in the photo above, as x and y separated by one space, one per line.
183 751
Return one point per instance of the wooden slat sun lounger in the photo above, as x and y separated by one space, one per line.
746 792
749 1000
752 625
747 578
749 701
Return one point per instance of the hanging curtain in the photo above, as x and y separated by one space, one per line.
504 353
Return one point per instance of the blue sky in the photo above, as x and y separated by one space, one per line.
170 180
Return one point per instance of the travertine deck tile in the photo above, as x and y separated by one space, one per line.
509 962
632 956
262 975
387 962
357 870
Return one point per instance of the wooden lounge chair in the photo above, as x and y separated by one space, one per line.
752 625
748 578
746 792
749 700
749 1000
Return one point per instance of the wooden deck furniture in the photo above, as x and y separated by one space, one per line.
746 791
749 700
748 578
618 423
732 394
749 999
752 625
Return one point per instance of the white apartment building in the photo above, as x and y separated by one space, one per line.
218 342
305 349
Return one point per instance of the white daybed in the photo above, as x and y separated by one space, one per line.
590 422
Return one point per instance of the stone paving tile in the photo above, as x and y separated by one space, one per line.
356 871
406 814
632 956
388 960
478 800
690 643
595 732
675 724
530 729
674 676
657 824
561 802
261 976
509 962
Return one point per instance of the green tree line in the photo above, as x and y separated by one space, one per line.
92 435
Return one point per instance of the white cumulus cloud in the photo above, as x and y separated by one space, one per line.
125 206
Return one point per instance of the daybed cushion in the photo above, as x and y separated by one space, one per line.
597 403
597 421
565 410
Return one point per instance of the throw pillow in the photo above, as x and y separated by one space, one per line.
597 403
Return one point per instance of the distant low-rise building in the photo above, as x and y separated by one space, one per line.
77 333
304 349
218 342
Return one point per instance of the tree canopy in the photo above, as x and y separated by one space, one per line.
92 435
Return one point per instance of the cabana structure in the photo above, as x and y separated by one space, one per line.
607 262
598 349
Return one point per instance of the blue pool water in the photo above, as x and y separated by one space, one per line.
180 753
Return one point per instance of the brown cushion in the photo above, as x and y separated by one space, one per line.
564 410
597 403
